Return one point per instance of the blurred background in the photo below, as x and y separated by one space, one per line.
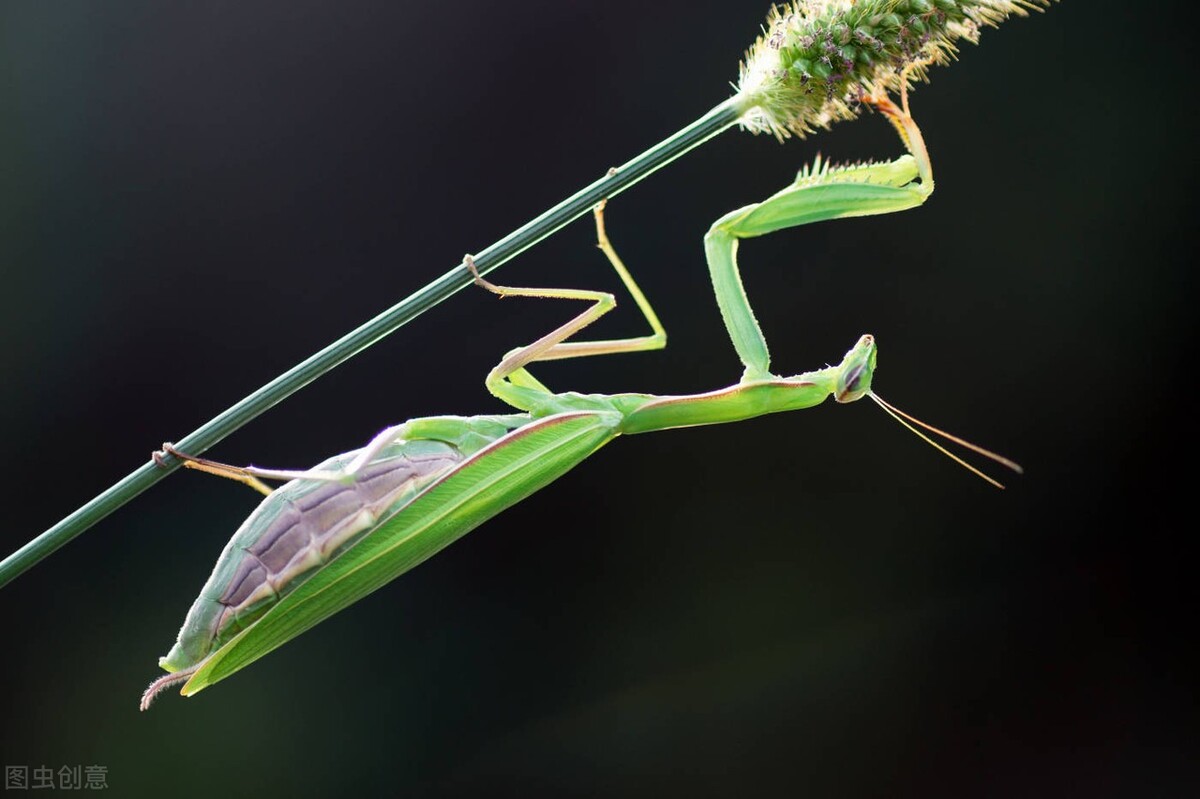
193 197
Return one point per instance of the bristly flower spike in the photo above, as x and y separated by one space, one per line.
816 58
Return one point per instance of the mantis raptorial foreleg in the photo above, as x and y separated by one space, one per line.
820 193
511 382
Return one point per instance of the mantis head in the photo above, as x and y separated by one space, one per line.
856 370
853 382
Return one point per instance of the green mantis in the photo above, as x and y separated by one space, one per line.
333 534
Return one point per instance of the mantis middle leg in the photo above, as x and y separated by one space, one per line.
511 382
508 380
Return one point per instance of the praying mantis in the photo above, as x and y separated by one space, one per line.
331 535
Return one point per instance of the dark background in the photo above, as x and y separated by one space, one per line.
196 196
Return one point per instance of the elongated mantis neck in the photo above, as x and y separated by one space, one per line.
716 121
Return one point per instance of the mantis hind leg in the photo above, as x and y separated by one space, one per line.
464 434
236 473
818 193
511 382
253 475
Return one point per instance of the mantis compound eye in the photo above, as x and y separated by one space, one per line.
852 383
857 369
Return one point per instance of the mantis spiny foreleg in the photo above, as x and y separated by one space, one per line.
818 193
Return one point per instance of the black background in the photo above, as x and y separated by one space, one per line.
196 196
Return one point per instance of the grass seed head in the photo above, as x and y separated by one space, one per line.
816 58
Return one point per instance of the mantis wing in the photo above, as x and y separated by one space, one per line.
491 480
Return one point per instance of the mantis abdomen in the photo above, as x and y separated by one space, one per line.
297 529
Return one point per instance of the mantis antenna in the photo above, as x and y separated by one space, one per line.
904 419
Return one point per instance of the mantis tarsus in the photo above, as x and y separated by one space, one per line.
333 534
